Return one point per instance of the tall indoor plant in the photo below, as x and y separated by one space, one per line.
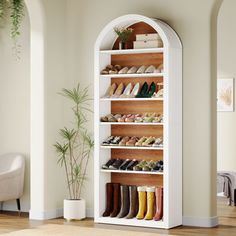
74 151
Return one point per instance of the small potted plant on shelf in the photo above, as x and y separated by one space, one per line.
74 151
123 35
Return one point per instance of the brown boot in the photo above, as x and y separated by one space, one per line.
159 204
116 200
124 210
109 205
133 196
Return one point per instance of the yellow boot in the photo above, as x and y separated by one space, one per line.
142 200
150 203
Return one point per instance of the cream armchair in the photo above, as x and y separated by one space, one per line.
12 168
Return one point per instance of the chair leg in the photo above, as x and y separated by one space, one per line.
18 206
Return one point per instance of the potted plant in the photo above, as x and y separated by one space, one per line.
74 151
123 35
16 15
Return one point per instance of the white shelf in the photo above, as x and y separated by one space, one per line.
131 99
132 75
130 123
131 222
133 51
132 172
130 147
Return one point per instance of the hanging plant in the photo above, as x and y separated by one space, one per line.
16 15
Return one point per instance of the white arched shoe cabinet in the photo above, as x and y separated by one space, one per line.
170 105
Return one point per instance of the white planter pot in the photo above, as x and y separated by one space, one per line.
74 209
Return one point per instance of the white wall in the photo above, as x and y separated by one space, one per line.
15 101
226 124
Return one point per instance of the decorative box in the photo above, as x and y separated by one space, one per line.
148 44
147 37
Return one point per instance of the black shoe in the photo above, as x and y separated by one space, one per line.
108 140
158 166
143 91
116 165
109 163
125 164
132 164
116 140
152 90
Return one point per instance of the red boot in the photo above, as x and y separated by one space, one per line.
159 204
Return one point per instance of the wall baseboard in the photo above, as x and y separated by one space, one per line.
207 222
52 214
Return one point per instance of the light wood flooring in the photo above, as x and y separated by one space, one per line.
227 218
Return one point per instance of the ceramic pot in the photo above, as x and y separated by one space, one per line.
74 209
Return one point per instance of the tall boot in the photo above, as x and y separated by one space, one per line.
124 210
142 199
133 196
116 200
159 204
109 197
150 203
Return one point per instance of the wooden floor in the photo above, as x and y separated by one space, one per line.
227 218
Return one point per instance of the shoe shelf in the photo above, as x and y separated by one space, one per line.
131 147
132 51
132 172
131 123
131 99
169 181
146 75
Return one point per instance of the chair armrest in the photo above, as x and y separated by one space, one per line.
9 174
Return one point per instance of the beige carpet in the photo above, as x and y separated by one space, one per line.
58 230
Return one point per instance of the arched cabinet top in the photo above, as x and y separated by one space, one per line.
107 37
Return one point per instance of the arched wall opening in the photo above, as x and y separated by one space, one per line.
37 114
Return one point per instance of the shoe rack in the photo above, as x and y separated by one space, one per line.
107 52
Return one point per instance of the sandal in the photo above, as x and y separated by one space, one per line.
129 118
140 165
110 91
108 140
122 119
132 141
148 142
140 141
116 140
158 142
149 166
124 140
159 94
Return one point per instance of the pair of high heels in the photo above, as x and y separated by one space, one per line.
121 91
147 91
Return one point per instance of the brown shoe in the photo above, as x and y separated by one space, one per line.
133 195
109 205
116 200
124 210
159 204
